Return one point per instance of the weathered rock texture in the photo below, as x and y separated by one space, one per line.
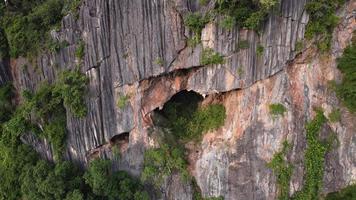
138 48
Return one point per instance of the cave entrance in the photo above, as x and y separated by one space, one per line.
178 112
121 138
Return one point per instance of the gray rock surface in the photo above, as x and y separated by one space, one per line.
138 48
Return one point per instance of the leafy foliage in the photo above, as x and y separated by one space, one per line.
186 121
322 21
4 47
348 193
335 115
243 44
159 61
209 57
161 162
228 22
6 106
346 91
277 109
79 51
27 23
314 160
299 45
283 171
113 185
246 13
195 22
46 108
259 50
123 100
72 87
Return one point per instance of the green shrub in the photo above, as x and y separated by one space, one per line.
55 45
72 87
246 13
27 26
299 46
314 160
6 105
193 41
123 100
335 115
196 22
71 6
283 171
161 162
113 185
277 109
159 61
243 44
346 90
259 50
204 2
206 119
80 51
228 22
4 47
322 21
209 57
240 72
348 193
46 108
185 122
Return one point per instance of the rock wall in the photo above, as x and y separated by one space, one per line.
124 40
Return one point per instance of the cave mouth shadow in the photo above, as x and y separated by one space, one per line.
178 110
120 138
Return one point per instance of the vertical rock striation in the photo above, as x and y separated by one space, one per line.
137 49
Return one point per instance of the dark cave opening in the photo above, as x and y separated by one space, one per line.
121 138
178 111
183 103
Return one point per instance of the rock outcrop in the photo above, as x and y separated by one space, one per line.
138 49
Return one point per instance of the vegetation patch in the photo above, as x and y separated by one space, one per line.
314 159
283 171
259 50
25 176
46 109
246 13
123 100
335 115
277 109
299 46
227 22
189 124
322 21
185 121
161 162
159 61
27 24
196 22
80 50
346 90
209 57
348 193
55 45
243 44
113 185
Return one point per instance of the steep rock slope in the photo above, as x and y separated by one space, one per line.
123 42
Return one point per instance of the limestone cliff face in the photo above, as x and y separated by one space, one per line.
123 40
